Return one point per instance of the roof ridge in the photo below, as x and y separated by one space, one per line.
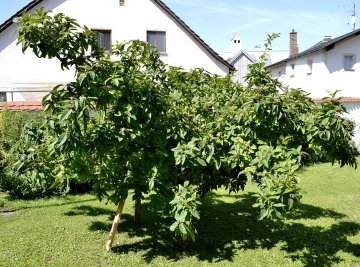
238 54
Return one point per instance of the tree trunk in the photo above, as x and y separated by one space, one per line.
115 225
137 211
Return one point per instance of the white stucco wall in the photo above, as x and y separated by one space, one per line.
273 55
327 75
328 72
354 114
19 71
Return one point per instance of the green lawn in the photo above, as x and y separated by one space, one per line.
71 231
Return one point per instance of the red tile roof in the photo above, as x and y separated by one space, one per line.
343 99
21 105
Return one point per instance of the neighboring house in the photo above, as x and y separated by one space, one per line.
241 58
329 65
25 77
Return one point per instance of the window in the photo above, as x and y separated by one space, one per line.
157 39
309 66
122 2
349 61
292 73
103 38
3 97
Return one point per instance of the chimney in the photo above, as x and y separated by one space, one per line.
327 38
294 49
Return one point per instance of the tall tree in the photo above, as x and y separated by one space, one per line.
130 122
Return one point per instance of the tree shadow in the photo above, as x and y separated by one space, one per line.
228 227
89 211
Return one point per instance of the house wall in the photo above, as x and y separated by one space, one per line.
327 75
273 55
354 114
19 71
241 65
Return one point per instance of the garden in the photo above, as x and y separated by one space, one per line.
70 231
182 167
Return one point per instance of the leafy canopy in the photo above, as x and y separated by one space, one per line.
128 121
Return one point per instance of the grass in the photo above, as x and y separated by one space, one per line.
71 231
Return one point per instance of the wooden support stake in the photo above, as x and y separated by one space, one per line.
115 225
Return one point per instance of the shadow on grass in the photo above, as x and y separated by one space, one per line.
89 211
226 229
61 204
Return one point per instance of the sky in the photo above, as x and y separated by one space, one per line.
217 21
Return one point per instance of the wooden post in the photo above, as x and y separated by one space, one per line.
137 211
115 225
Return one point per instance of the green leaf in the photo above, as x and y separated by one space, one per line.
290 203
190 232
151 184
183 216
63 140
201 162
195 214
81 78
263 214
182 229
174 226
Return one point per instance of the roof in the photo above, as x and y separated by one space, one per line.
21 105
159 3
342 99
241 52
328 45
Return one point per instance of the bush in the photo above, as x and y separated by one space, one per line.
11 126
26 185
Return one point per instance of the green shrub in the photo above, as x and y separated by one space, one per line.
185 205
11 126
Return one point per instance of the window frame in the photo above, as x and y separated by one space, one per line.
353 56
292 68
309 63
102 31
156 40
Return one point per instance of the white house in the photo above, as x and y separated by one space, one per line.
329 65
24 77
241 58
